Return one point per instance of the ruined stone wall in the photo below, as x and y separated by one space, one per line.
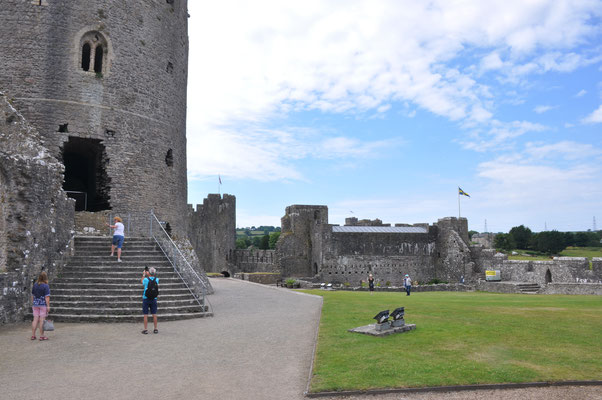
350 257
453 260
36 217
299 248
556 270
212 231
253 260
133 109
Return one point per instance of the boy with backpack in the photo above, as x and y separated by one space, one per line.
149 297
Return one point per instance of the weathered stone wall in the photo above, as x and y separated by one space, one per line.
350 257
484 239
573 288
253 260
299 248
93 223
212 231
453 260
36 217
134 107
556 270
265 278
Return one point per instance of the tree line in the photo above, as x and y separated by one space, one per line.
549 242
252 236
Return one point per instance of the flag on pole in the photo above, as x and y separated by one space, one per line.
220 179
462 192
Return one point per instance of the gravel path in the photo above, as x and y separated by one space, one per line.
259 346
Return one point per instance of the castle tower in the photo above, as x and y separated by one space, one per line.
104 82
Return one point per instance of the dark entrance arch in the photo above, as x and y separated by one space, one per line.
548 276
85 177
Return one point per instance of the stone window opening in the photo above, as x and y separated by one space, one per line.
169 158
98 53
94 53
64 128
86 57
168 228
86 179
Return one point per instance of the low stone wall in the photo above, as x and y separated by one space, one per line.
441 287
573 288
254 260
496 287
93 223
263 278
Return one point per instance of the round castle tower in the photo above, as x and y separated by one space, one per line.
104 82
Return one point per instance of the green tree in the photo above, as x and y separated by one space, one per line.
257 241
470 233
550 242
521 236
265 242
569 239
504 241
273 239
242 243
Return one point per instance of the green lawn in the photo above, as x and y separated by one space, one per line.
461 338
587 252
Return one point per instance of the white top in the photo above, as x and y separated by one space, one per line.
407 282
118 229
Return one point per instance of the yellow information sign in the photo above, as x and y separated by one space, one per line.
489 273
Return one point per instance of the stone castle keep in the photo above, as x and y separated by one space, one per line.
93 124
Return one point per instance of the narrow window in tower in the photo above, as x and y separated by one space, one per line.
86 57
169 158
98 59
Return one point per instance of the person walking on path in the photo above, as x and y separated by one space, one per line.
371 283
118 237
150 302
407 284
40 299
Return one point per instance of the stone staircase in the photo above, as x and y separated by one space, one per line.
94 287
528 288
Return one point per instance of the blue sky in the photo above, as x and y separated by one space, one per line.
381 109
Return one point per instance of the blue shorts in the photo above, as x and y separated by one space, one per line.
152 303
118 241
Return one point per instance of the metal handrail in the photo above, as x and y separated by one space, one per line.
173 262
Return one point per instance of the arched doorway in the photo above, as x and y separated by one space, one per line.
548 276
86 179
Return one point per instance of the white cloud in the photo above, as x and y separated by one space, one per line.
595 117
498 135
565 149
542 109
253 62
581 93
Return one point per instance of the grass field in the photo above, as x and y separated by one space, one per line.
461 338
588 252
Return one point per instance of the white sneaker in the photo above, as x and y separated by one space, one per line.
119 260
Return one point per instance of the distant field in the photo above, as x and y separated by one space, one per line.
253 233
588 252
461 338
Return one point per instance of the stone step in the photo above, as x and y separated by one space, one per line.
116 280
132 274
132 292
165 268
124 258
134 310
123 264
126 318
112 286
125 304
116 297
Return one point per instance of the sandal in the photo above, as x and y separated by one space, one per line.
33 338
145 332
156 331
43 338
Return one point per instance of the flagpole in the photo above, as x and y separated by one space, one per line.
459 203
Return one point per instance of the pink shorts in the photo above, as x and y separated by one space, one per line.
39 311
